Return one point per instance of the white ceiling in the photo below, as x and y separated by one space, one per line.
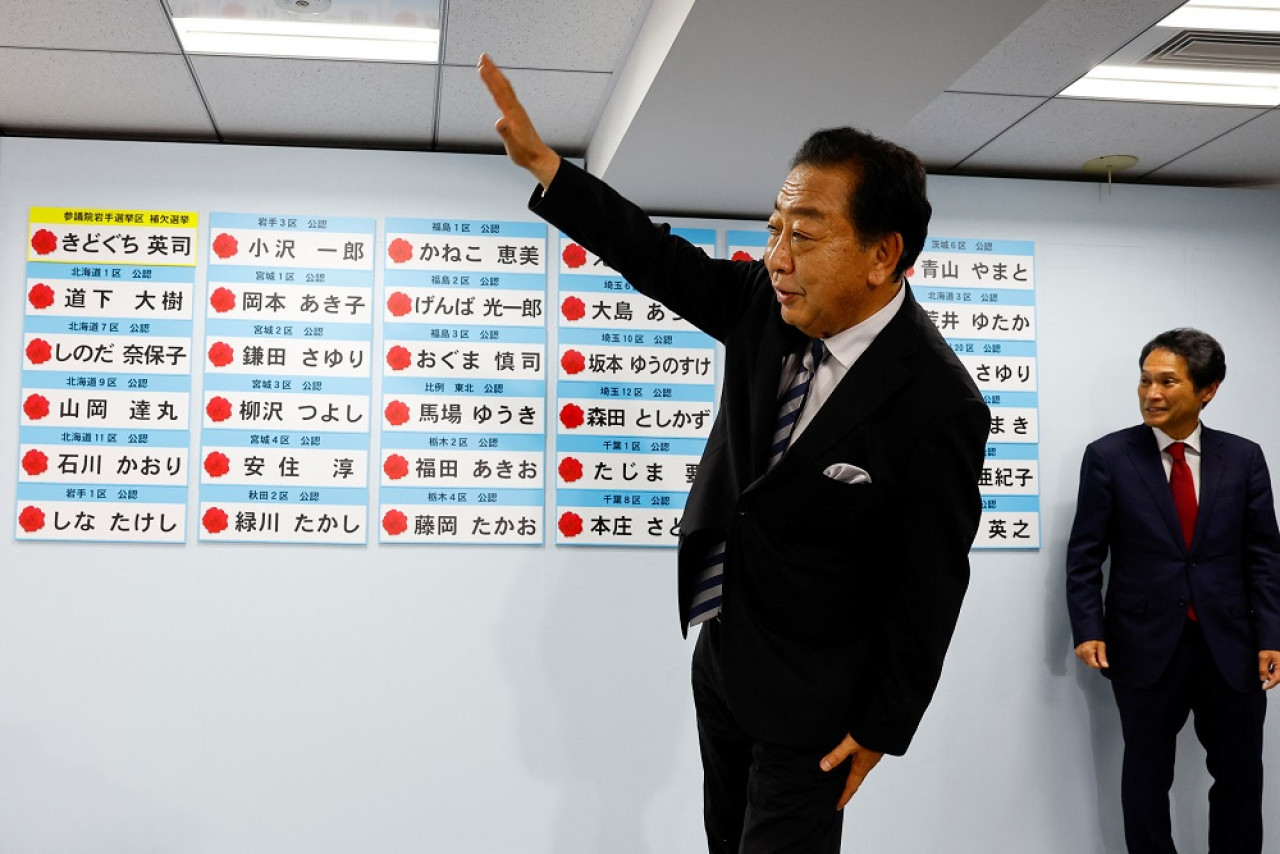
689 106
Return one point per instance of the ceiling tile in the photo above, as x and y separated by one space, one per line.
564 105
122 25
312 101
1057 44
956 125
568 35
1065 132
1247 155
94 93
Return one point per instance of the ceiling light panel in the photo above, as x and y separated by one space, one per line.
1178 85
385 31
1242 16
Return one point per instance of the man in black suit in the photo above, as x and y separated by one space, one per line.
1191 619
824 545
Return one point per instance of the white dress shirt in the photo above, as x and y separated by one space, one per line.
1192 454
843 349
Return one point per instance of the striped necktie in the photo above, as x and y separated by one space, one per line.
709 586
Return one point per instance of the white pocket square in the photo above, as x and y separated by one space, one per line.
846 473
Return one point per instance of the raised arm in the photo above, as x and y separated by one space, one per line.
525 148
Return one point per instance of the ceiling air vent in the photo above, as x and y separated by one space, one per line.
1218 49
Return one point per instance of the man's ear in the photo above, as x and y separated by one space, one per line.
888 252
1206 394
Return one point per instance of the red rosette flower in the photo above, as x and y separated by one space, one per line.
397 412
40 296
35 462
44 241
36 406
910 271
742 255
573 362
570 469
224 245
571 415
399 304
39 351
31 518
223 300
221 354
570 524
573 308
218 409
574 256
399 358
214 520
396 467
400 250
394 522
217 464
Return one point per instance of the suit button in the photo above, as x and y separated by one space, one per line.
1182 603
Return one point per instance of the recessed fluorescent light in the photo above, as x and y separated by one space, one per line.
1244 16
1179 85
309 40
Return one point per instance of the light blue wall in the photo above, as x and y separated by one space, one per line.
283 699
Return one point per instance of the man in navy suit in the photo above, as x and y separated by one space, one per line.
824 546
1191 619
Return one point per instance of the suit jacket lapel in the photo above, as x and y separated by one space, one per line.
1145 456
877 374
1212 462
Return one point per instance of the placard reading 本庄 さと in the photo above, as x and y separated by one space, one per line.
635 395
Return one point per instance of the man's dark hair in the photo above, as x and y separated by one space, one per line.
1206 363
888 189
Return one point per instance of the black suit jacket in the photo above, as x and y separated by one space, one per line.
1231 571
839 600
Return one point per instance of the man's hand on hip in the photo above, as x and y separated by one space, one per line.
1093 653
863 761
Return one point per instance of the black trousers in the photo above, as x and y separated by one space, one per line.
1228 725
758 798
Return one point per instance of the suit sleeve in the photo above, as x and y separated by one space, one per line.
707 292
922 597
1088 547
1262 553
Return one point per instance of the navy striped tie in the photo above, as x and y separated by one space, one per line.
709 586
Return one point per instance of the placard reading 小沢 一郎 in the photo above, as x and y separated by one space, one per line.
287 379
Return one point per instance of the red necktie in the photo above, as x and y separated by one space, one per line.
1184 497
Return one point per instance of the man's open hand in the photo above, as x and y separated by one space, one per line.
525 148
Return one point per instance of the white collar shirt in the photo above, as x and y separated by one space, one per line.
843 349
1164 440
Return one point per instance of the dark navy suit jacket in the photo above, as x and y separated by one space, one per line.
1231 570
